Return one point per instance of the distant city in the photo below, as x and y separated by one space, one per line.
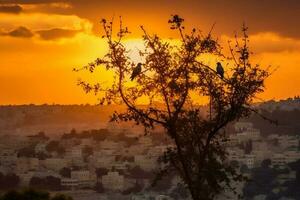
75 150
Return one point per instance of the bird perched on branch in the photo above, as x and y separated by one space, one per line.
220 70
136 71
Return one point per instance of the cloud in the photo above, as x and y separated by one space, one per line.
261 16
15 9
21 32
56 33
269 42
30 1
44 21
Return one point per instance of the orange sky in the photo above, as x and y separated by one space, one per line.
42 40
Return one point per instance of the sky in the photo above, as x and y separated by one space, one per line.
41 41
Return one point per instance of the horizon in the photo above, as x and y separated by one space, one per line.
97 104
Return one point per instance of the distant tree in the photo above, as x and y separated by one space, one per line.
53 183
12 195
234 164
28 151
179 192
266 163
172 80
101 171
54 146
100 135
35 195
99 188
87 151
47 183
244 169
262 181
61 197
248 147
42 135
134 189
36 182
32 194
138 173
65 172
9 181
42 155
73 131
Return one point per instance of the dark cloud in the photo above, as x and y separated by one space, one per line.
56 33
30 1
16 9
260 15
279 16
21 32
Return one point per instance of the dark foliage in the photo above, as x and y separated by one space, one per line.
30 194
65 172
9 181
101 171
54 146
99 188
47 183
288 122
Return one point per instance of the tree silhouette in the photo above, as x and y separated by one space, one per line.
172 83
32 194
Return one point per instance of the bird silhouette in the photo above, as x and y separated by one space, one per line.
220 70
136 71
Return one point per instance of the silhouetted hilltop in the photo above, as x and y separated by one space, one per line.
287 112
30 115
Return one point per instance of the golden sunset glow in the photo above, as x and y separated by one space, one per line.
42 41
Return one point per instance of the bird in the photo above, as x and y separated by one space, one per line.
136 71
220 70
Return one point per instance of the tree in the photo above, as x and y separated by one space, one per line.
173 82
179 192
101 172
61 197
49 183
99 188
54 146
31 194
263 181
9 181
134 189
65 172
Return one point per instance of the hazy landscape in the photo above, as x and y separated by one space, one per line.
75 150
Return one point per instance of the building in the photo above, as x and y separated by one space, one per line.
83 177
25 164
147 163
279 159
242 126
69 183
113 181
55 164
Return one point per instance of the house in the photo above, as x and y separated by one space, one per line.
113 181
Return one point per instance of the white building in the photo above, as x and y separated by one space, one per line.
146 162
113 181
69 183
25 164
249 160
55 163
242 126
83 177
279 159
